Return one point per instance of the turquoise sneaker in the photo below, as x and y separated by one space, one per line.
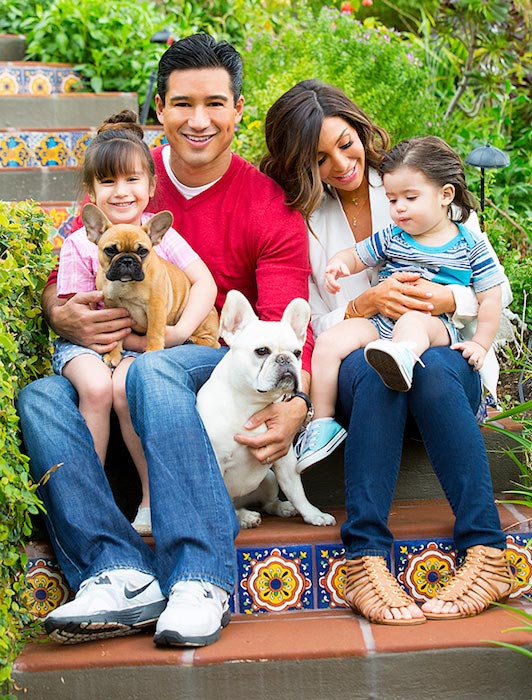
321 437
393 362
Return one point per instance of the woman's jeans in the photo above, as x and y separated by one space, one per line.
193 520
442 401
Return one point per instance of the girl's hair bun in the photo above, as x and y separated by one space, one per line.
126 119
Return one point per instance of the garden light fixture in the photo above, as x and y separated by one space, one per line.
486 157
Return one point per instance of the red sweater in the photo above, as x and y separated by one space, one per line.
246 235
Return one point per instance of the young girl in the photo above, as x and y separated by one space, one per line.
425 184
119 177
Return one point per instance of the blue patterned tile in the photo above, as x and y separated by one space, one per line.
275 579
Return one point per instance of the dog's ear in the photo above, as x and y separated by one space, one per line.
297 314
95 222
158 225
236 314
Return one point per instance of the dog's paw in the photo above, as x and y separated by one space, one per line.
248 518
319 518
283 509
112 359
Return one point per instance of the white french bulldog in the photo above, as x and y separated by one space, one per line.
263 364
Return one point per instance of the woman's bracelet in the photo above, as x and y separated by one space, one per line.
352 311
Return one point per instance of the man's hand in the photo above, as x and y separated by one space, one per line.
283 420
79 320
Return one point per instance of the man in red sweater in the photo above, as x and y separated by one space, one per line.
236 220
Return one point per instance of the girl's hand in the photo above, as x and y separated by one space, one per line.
334 270
473 352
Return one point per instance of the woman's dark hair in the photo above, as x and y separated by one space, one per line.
439 164
292 128
200 51
119 139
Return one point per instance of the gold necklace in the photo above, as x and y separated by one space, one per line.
356 202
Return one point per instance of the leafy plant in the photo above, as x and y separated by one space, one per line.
108 43
25 261
334 47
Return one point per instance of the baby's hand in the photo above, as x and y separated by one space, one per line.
473 352
335 269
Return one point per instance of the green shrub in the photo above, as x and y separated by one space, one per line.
25 262
375 66
109 43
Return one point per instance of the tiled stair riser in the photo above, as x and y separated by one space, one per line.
308 576
27 78
52 148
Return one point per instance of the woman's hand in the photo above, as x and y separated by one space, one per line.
395 296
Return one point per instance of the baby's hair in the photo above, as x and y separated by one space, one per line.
439 163
119 139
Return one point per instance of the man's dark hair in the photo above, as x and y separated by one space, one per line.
200 51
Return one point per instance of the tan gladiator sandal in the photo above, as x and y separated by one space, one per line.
370 589
484 578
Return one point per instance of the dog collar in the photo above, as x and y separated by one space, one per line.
306 399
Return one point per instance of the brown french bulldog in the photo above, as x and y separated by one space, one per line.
132 275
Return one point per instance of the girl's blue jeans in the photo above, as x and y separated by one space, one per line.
442 401
193 520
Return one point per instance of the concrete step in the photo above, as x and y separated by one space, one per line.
12 47
38 79
288 611
294 656
40 184
63 110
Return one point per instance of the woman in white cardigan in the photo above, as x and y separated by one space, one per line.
325 152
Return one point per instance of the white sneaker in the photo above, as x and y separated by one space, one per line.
320 438
195 614
116 603
142 522
393 361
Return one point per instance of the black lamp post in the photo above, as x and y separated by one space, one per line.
162 37
486 157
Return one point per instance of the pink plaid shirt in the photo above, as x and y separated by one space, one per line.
78 259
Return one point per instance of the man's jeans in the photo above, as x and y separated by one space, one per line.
442 401
193 520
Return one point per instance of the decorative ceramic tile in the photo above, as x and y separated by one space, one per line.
10 81
275 580
520 558
46 587
62 219
330 574
39 148
424 567
53 149
14 151
80 141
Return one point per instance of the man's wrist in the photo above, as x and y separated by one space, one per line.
306 398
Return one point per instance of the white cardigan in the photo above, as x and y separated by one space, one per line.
331 232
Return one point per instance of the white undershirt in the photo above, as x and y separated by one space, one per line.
185 190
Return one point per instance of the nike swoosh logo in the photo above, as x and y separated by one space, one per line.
133 593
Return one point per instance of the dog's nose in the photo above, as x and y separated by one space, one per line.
282 359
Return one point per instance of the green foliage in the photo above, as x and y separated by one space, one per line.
525 618
109 43
375 66
25 261
14 13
